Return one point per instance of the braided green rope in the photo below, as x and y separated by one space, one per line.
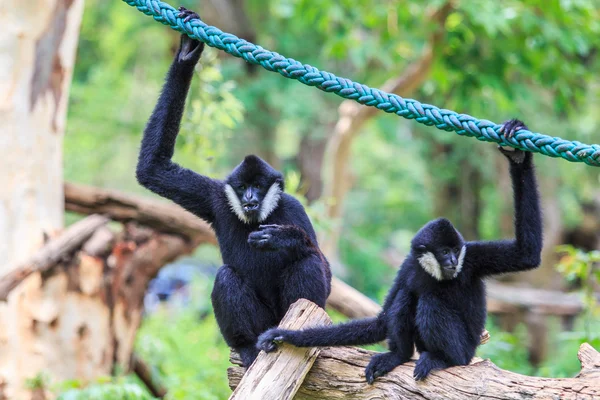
462 124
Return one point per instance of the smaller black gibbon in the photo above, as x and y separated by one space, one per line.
437 301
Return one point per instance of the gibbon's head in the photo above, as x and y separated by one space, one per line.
440 249
253 190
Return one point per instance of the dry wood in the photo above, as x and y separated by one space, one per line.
278 376
52 253
162 216
338 373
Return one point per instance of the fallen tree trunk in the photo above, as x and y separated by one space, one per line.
338 373
350 302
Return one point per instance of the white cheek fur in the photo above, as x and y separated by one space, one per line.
270 202
431 265
235 204
461 259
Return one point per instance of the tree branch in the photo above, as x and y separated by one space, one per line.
161 216
338 373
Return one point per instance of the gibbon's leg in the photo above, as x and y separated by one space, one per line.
426 363
240 313
304 279
400 333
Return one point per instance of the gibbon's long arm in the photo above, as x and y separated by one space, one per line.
523 252
361 331
155 170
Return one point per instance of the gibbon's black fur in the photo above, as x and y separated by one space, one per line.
267 242
437 301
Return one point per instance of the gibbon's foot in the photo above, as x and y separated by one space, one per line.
269 341
273 237
509 128
380 365
248 354
425 364
187 15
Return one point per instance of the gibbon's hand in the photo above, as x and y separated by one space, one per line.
190 49
509 128
270 340
274 237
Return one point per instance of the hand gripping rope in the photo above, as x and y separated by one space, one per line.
447 120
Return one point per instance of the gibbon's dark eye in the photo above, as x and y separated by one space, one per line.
257 186
242 187
457 250
445 252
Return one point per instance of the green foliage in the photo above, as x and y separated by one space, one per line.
107 391
583 269
40 381
190 357
507 350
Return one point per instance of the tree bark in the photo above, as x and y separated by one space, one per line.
38 41
353 116
338 373
279 376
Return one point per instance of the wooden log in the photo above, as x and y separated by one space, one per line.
52 253
159 215
338 373
277 376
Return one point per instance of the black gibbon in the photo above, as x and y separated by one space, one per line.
267 241
437 301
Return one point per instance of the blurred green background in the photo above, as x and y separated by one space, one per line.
534 60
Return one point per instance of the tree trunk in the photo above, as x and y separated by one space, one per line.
38 44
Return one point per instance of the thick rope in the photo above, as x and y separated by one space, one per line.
447 120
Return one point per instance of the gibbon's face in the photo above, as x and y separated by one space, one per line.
440 249
253 190
253 201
